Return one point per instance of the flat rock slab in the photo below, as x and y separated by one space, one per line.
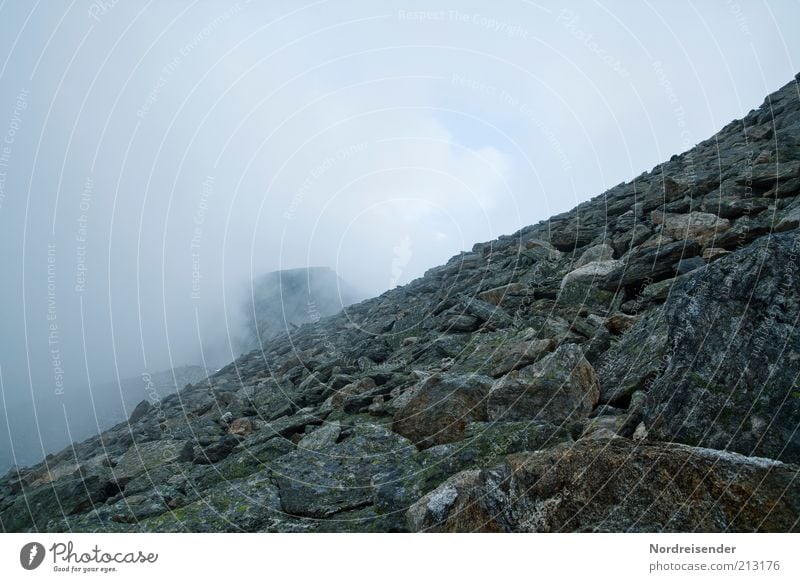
339 477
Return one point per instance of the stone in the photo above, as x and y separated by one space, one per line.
651 264
542 250
139 412
635 360
320 484
441 407
619 323
246 505
141 458
497 295
241 427
712 254
789 221
37 508
590 272
216 451
597 253
485 443
488 313
614 485
322 437
355 388
508 357
702 227
731 365
561 386
460 323
733 206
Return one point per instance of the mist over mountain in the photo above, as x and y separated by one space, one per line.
364 266
629 365
281 301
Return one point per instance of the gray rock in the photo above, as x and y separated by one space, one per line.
141 458
216 451
730 372
339 477
561 386
139 412
441 407
601 252
322 437
614 485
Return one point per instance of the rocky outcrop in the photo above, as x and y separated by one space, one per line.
629 365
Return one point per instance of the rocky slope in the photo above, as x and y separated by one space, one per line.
630 365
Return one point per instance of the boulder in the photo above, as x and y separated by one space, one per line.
485 444
512 356
702 227
441 407
241 427
584 285
139 412
321 437
597 253
459 323
488 313
633 362
216 451
47 507
251 504
615 485
590 272
728 376
561 386
651 263
141 458
353 389
338 477
497 295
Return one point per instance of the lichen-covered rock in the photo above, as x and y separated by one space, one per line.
635 360
322 437
561 386
702 227
441 407
485 444
512 356
246 505
615 485
601 252
54 503
732 359
141 458
338 477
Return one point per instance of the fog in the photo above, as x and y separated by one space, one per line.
156 157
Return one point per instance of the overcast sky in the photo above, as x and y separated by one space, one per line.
157 155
